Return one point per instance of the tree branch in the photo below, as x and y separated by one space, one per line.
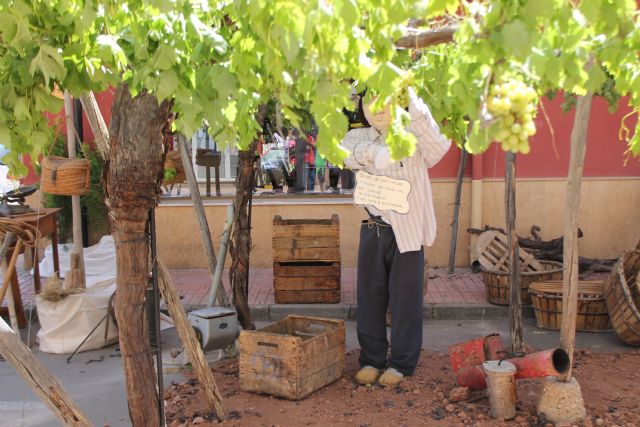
427 38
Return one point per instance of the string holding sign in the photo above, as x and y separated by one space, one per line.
382 192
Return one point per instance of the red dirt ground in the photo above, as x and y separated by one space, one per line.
610 384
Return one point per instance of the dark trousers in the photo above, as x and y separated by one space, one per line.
387 277
348 179
334 177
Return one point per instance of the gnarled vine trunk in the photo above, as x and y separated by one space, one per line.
132 172
240 246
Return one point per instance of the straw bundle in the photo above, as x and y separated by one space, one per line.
53 290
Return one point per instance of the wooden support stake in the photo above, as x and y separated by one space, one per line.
456 210
515 306
202 218
73 277
75 200
190 341
11 268
45 385
570 253
96 122
8 271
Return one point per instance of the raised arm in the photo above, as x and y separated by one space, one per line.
364 152
432 145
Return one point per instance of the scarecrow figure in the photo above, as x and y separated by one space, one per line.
391 252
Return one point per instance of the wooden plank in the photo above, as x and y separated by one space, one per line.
97 123
269 362
298 270
307 297
265 344
306 283
39 379
305 230
570 249
323 377
307 242
308 254
278 221
515 306
190 341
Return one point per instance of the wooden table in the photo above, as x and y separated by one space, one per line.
45 220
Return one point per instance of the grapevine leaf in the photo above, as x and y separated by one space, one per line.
5 136
49 62
109 50
516 38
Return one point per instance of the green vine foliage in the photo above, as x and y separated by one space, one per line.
221 60
93 201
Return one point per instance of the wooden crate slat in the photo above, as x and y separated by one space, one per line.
307 242
491 248
306 283
307 297
308 254
305 230
299 270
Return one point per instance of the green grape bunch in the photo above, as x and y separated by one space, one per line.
401 97
170 173
514 104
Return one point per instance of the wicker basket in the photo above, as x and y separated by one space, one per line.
65 177
174 161
622 294
592 316
496 282
208 158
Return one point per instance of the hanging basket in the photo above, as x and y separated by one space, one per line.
592 314
65 177
622 294
173 161
207 157
496 282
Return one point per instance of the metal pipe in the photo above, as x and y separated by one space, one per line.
222 255
536 365
475 351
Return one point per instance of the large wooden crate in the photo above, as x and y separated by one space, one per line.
306 260
293 357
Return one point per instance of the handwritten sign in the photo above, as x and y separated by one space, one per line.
382 192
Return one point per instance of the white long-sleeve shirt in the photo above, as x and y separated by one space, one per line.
417 227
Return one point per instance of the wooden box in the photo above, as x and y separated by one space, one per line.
306 260
293 357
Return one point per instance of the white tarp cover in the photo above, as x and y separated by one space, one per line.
99 260
64 324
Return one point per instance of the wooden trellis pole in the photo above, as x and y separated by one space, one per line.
515 306
570 252
76 278
456 210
